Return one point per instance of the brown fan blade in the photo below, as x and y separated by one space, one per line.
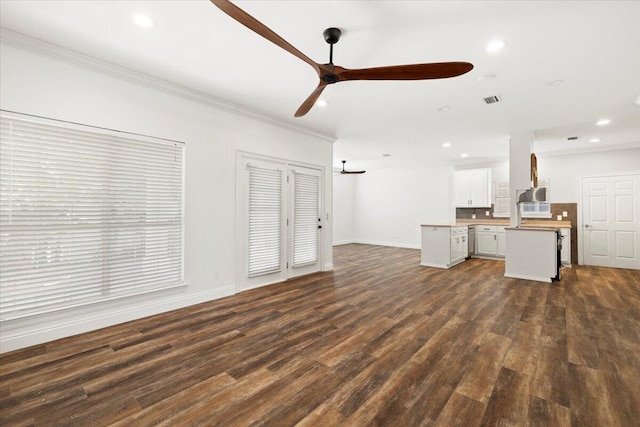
308 103
436 70
258 27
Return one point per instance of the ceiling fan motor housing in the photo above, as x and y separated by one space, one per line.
332 35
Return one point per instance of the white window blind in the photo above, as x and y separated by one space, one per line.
265 220
502 206
86 215
306 208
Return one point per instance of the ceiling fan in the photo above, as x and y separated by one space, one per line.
346 172
330 73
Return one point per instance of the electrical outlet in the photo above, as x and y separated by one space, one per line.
559 217
486 213
565 214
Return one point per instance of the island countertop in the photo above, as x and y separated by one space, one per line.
505 223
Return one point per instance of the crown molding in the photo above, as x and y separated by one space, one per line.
21 41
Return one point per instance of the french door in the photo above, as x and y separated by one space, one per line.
305 221
281 228
611 221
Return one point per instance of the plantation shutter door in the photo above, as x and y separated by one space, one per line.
306 211
86 215
265 220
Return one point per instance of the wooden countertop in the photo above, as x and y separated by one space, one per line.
525 222
534 228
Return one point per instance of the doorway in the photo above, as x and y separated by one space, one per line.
280 223
610 220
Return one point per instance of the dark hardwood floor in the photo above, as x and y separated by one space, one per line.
378 341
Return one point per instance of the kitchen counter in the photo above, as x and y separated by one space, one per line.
525 223
532 253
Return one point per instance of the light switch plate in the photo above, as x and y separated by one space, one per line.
565 214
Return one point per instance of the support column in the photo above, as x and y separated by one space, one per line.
520 148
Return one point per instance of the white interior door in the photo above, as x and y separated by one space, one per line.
305 221
610 221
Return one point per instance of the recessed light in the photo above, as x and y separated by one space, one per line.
486 77
446 145
594 140
144 20
321 103
464 155
386 155
495 46
444 108
555 83
603 122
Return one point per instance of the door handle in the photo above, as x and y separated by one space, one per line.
587 226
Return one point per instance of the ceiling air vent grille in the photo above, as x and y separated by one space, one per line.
492 99
572 138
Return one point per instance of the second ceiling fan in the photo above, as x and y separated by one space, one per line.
330 73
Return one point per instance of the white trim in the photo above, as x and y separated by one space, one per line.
343 242
525 277
390 244
114 316
434 265
328 267
59 53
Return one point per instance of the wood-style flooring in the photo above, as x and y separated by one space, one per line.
378 341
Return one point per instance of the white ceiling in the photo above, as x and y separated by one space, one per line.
593 46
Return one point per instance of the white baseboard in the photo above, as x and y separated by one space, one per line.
343 242
328 267
390 244
21 337
525 277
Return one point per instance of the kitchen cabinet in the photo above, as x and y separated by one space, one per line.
443 246
500 237
490 241
472 188
532 254
565 253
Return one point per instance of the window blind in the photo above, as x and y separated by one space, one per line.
86 215
265 220
306 208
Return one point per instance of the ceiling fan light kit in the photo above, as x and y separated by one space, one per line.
330 73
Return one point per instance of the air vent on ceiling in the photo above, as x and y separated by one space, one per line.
572 138
492 99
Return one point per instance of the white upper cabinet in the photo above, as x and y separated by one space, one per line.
472 188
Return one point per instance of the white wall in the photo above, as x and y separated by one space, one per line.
33 84
390 205
565 171
344 208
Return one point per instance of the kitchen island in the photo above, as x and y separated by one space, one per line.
532 253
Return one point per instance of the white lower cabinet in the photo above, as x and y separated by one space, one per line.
501 242
443 246
490 241
565 253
